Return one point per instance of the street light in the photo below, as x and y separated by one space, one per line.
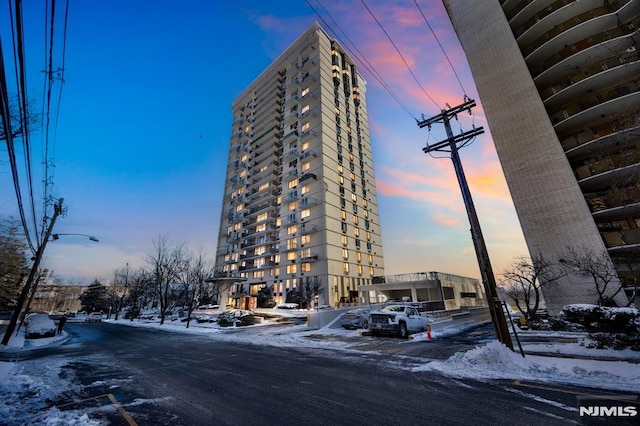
54 237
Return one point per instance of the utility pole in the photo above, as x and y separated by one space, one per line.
451 145
57 210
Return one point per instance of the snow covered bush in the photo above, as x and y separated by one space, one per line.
594 318
615 328
239 317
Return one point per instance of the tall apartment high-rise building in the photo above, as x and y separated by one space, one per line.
559 83
300 207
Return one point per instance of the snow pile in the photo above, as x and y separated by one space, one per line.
496 361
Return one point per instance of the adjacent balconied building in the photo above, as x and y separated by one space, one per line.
559 82
300 206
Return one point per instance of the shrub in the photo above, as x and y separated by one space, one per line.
595 318
242 318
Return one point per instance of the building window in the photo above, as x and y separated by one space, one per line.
357 242
343 215
305 127
448 293
345 240
305 213
304 93
356 231
305 267
370 259
345 267
305 189
305 145
291 244
359 269
291 255
345 253
292 269
356 220
340 169
344 227
304 109
305 239
292 206
292 229
305 167
293 183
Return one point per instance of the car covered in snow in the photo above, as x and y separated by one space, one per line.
39 326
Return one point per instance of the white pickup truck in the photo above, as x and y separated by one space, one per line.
402 320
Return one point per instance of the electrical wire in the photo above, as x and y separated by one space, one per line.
47 114
441 48
6 123
361 58
61 68
400 53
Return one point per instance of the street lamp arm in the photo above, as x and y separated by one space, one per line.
91 237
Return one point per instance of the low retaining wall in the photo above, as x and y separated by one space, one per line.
329 317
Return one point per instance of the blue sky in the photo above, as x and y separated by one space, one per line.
145 118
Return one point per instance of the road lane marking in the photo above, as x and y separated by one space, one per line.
113 400
517 382
124 413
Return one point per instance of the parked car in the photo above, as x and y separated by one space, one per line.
356 318
94 317
38 326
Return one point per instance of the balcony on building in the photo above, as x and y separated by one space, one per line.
261 241
623 239
308 201
611 131
541 31
308 153
307 176
262 208
309 258
559 61
617 168
307 229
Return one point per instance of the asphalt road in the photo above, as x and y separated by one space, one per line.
150 377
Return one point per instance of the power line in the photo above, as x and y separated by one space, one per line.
399 53
61 78
361 58
21 80
6 123
441 48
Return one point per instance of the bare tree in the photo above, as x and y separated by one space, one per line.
195 284
167 265
140 289
600 269
120 287
310 288
523 281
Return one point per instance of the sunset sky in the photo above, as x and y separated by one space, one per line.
145 119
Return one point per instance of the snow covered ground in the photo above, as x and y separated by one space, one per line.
31 383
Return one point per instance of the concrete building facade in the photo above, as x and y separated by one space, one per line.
300 206
559 83
437 290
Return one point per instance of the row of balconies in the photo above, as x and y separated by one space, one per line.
625 237
564 26
614 199
619 123
579 46
591 101
607 164
595 69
